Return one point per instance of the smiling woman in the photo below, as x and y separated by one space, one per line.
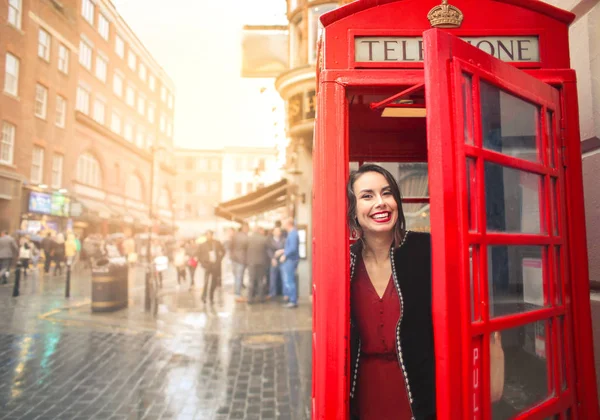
392 354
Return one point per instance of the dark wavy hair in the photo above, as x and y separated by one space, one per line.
400 227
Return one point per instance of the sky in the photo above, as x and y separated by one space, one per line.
198 44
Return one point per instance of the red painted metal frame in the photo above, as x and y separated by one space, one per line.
333 150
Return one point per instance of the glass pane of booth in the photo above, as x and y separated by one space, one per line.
467 88
512 199
515 279
524 350
550 134
472 193
509 124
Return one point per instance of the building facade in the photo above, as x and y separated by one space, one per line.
87 120
198 190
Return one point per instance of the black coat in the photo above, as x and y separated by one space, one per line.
411 270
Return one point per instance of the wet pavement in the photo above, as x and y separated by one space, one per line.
191 361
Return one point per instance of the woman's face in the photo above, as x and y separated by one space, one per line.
376 208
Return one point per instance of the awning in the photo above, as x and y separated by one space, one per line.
141 217
100 209
122 214
260 201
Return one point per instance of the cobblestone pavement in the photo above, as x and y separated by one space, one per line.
228 361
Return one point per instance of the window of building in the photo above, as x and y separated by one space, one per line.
163 122
101 67
119 46
151 108
189 187
143 72
149 140
41 101
128 131
134 188
63 59
85 54
249 187
130 96
239 164
8 143
214 186
201 188
118 85
88 170
169 129
152 82
37 165
163 93
44 44
11 77
83 100
103 26
164 199
139 138
170 101
14 13
115 122
131 60
99 111
57 171
87 10
202 164
238 188
61 111
141 105
214 165
298 50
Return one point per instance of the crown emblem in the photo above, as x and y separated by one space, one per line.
445 16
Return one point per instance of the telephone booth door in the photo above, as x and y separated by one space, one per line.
499 244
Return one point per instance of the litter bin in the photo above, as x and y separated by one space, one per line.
109 284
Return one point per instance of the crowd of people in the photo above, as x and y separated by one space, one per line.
266 258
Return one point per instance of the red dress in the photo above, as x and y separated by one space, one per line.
380 390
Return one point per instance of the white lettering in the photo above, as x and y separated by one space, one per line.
512 49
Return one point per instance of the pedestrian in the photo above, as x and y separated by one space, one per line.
25 254
129 250
70 250
58 253
257 260
47 244
275 243
210 256
289 257
239 250
180 260
8 252
191 251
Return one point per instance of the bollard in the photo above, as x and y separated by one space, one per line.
68 283
16 290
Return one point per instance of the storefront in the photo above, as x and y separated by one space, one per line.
45 212
488 105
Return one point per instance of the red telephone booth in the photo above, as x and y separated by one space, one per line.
479 122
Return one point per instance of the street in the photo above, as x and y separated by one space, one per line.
60 361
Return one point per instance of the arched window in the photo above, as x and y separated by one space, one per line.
164 199
134 188
88 170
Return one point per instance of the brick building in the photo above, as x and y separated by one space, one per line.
85 112
198 190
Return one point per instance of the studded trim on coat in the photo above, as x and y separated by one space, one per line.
353 258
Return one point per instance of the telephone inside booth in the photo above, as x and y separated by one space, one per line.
477 147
